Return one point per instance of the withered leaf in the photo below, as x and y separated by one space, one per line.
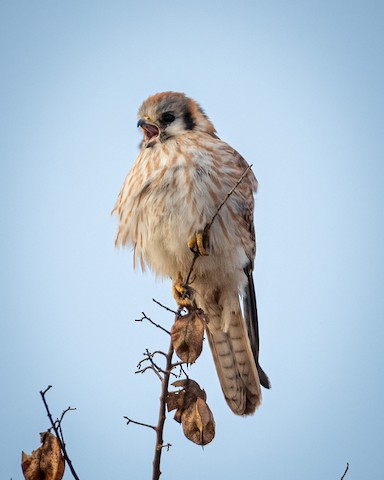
46 462
192 411
183 398
174 400
198 423
191 388
187 336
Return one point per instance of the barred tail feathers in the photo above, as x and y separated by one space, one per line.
233 356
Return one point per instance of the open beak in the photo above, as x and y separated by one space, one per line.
151 131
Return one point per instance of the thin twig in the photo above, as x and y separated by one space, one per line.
153 366
46 390
178 364
144 317
148 355
229 194
182 371
150 367
58 423
209 224
129 420
188 277
165 307
167 446
55 428
345 472
149 358
156 352
69 409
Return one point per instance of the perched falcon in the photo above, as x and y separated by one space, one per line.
181 176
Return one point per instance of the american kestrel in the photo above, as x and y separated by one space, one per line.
181 176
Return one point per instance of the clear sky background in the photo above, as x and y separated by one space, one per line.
297 88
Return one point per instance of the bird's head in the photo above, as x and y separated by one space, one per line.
170 114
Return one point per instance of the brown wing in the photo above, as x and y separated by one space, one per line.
249 299
252 323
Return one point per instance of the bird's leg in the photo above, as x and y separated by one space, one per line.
199 243
184 294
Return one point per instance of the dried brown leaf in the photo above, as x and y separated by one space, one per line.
181 399
191 388
175 400
198 423
187 336
192 411
46 462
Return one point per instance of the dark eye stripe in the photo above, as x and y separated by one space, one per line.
188 120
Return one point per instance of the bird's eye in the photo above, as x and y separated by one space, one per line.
168 117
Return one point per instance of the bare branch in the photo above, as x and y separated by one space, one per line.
182 371
155 368
57 432
58 423
144 317
165 307
156 352
149 358
69 409
129 420
46 390
345 472
162 414
150 367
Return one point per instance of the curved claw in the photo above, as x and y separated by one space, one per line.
184 295
199 243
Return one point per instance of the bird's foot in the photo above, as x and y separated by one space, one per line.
184 294
199 243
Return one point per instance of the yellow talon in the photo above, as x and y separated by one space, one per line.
198 243
192 242
183 294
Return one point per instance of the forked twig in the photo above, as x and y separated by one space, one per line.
58 431
150 367
153 366
58 423
157 325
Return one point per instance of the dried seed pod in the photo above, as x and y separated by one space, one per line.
192 411
182 399
187 336
198 423
46 462
176 400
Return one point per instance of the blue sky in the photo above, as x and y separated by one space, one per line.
297 88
